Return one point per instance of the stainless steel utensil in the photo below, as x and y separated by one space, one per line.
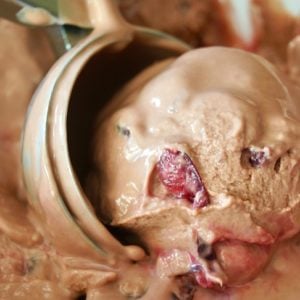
59 123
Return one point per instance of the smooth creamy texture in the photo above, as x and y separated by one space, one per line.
26 270
262 26
30 267
216 105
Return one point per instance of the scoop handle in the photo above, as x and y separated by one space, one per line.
67 22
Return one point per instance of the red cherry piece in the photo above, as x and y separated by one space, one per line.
202 280
241 261
200 275
180 177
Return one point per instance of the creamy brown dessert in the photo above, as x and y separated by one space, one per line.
197 167
26 269
201 164
263 26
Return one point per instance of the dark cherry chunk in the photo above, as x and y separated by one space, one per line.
179 175
123 130
256 158
187 286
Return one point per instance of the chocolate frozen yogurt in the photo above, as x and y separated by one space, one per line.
193 192
200 163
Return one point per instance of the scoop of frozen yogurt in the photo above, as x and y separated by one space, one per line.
201 162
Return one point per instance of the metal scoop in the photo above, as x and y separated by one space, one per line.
59 124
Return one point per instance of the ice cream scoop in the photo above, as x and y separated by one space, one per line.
60 118
201 163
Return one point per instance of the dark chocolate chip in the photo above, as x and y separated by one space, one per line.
187 285
205 250
123 130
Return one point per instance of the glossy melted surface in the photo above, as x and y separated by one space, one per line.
219 128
